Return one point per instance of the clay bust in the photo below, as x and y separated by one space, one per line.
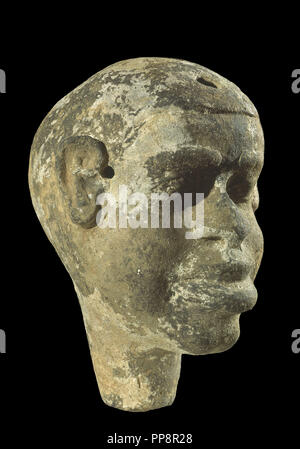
149 295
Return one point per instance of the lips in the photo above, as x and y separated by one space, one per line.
232 271
234 297
237 268
226 285
234 268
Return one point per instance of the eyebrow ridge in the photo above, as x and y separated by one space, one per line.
194 152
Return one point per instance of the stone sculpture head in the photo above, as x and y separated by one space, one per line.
149 295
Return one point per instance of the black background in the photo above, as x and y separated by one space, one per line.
245 394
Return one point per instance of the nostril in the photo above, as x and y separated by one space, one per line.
206 82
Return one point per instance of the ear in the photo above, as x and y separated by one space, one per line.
81 167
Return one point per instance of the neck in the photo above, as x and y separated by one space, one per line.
133 380
130 377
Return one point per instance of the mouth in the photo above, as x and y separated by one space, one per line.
226 286
232 297
228 272
233 271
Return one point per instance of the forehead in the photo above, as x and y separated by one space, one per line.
189 138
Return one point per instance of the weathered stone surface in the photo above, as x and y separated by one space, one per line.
150 295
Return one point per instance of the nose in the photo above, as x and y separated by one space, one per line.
223 216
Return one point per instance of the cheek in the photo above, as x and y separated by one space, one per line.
135 266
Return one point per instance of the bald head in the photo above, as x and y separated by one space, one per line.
114 102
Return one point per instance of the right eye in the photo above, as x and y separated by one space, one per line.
198 180
239 189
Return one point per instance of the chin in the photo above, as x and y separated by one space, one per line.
211 340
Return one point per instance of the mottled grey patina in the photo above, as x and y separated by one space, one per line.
150 295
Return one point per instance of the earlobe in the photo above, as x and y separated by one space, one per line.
79 165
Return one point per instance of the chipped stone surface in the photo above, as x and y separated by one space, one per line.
149 295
